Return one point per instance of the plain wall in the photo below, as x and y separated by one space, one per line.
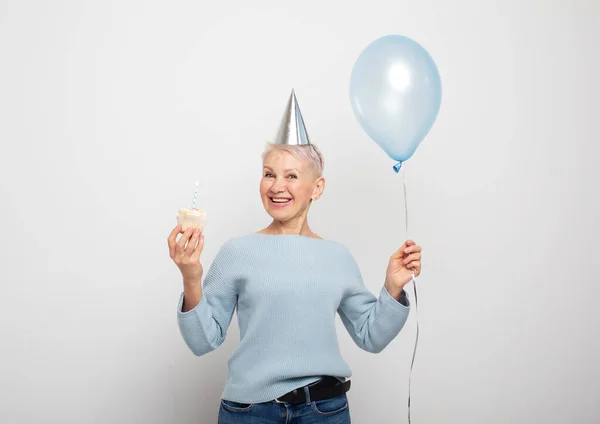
110 111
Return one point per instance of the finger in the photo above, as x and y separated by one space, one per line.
183 239
412 257
408 244
413 249
198 250
415 266
191 246
172 239
400 252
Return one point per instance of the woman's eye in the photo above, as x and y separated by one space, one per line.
293 176
268 175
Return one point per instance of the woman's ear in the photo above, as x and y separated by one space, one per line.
320 187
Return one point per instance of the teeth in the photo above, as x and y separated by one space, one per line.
281 200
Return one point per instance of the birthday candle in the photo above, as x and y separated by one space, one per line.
195 194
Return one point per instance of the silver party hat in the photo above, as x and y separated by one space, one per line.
292 129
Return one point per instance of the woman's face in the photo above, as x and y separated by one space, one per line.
288 185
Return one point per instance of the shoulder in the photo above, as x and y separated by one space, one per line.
236 244
231 254
240 246
337 250
344 256
336 246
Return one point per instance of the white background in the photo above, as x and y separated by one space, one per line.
110 111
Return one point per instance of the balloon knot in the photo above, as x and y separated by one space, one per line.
397 167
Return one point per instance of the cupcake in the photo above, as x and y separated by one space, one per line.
191 218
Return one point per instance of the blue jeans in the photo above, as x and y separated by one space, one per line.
328 411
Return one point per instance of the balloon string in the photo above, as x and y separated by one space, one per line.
415 292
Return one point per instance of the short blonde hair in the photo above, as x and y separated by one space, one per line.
309 153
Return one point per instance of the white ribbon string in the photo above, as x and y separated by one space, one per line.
415 293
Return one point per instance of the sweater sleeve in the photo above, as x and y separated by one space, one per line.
204 328
373 322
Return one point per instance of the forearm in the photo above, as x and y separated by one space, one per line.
373 322
192 294
196 321
206 306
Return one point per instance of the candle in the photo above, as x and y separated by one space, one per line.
195 195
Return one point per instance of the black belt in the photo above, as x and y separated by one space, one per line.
326 388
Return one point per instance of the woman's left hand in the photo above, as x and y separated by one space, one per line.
402 264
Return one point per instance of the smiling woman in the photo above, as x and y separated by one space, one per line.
292 179
287 284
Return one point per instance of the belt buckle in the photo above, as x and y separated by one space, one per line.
278 401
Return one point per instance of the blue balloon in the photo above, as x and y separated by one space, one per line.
396 92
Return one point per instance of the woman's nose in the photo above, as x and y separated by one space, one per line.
278 186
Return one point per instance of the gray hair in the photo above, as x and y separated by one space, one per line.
309 153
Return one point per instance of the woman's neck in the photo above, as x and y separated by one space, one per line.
298 226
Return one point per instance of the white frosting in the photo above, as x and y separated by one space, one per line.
188 211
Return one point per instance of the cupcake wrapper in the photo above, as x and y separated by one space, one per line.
194 221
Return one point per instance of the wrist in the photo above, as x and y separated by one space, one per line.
394 290
192 281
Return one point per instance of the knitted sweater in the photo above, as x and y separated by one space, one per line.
286 290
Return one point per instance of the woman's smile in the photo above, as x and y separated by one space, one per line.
280 202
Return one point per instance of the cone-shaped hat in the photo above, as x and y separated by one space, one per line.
292 129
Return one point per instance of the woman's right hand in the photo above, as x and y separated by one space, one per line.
185 252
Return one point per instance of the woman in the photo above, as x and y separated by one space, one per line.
287 283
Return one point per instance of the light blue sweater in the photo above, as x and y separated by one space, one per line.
287 290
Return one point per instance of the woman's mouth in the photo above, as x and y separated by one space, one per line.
280 202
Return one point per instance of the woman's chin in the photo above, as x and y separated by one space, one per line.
280 214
